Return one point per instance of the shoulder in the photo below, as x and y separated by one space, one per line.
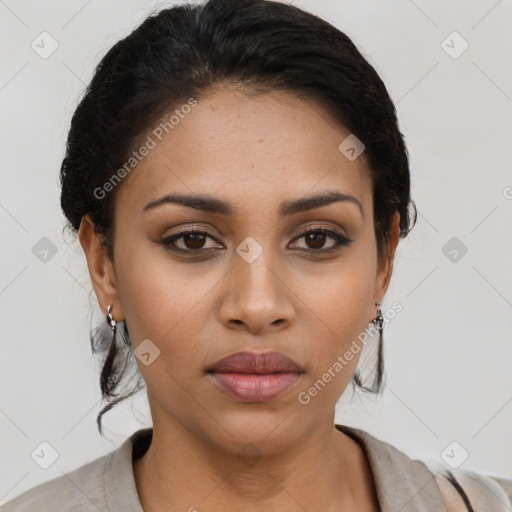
464 490
401 479
79 490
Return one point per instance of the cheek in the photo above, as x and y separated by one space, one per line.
342 299
166 306
340 307
158 294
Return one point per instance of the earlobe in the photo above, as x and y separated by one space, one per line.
100 268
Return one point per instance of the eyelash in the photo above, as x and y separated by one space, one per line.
341 241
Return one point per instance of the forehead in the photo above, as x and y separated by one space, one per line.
247 149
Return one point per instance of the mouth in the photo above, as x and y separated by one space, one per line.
251 377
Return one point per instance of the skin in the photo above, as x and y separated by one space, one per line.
254 152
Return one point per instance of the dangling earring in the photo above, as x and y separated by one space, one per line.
112 323
379 319
379 323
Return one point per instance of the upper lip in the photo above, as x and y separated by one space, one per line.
251 362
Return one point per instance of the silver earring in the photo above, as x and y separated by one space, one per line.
112 323
379 319
379 323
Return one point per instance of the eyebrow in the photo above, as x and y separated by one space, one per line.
288 208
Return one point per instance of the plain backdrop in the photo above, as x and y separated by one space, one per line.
448 354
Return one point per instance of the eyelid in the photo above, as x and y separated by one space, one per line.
321 227
202 230
196 228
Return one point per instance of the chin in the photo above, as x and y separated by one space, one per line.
270 431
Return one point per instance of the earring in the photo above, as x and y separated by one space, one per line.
379 323
112 323
379 319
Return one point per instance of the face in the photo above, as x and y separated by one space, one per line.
265 273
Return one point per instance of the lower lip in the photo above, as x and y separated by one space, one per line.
251 387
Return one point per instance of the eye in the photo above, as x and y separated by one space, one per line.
317 237
193 241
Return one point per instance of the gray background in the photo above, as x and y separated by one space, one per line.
448 354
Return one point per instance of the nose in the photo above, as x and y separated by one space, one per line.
256 296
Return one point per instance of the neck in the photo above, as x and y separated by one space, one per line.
183 471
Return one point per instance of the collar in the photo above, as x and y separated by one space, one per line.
401 483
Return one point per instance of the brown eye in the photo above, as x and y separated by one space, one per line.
315 240
191 241
194 240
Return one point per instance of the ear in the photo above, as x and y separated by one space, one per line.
385 264
100 268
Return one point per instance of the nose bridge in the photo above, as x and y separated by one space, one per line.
255 264
260 229
257 295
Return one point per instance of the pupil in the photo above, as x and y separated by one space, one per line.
196 239
317 238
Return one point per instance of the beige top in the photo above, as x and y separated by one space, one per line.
107 484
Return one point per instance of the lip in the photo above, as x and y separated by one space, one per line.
255 377
252 362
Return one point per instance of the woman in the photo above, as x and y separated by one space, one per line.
239 185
